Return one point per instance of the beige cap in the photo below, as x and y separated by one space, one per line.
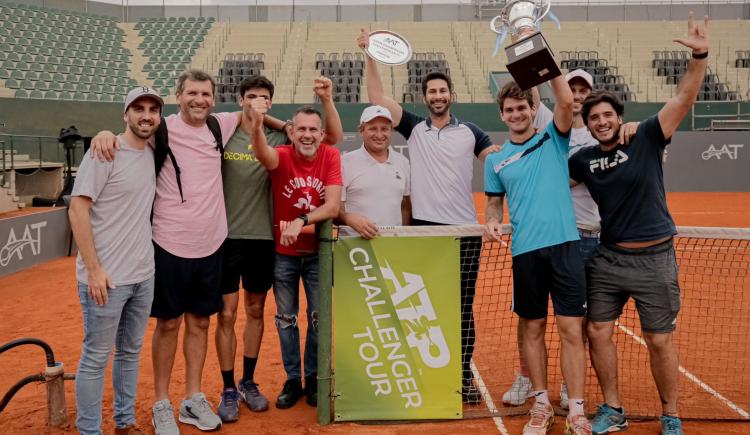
579 73
142 91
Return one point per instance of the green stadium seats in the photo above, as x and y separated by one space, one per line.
17 74
13 57
91 97
36 94
12 84
55 86
31 75
80 96
4 74
69 86
26 84
21 94
42 85
51 95
82 87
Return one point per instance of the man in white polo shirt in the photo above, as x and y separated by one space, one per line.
376 179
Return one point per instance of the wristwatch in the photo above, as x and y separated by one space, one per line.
304 218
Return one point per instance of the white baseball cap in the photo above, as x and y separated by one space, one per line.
142 91
373 112
582 74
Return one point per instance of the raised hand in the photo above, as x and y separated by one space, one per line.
697 36
258 109
364 39
323 88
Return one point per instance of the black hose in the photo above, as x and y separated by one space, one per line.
21 341
20 384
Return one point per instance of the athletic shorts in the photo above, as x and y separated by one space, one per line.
186 285
648 275
557 270
250 260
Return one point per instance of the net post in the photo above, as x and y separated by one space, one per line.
325 317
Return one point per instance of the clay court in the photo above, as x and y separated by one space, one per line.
42 302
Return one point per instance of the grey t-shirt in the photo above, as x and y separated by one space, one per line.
122 192
247 187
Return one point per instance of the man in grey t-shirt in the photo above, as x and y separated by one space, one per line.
110 216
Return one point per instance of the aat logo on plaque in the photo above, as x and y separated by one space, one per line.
530 59
388 47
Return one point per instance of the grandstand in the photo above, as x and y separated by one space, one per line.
57 54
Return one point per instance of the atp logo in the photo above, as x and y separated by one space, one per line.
605 163
414 309
32 237
728 150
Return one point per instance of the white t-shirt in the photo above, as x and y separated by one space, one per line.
374 189
587 213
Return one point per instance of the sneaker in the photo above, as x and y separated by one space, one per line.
470 394
671 425
608 420
311 390
197 411
290 394
577 425
519 392
250 394
229 406
542 417
564 396
162 418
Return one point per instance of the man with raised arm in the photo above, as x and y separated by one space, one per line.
376 179
115 265
441 154
636 257
531 168
306 190
249 248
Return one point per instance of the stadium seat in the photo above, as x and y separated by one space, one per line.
20 93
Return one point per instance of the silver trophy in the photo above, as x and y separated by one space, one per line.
530 59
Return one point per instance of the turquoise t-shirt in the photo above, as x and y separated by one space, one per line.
534 177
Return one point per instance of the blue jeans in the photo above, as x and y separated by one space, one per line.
286 275
587 246
120 323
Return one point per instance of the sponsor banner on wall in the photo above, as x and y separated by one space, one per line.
32 239
397 328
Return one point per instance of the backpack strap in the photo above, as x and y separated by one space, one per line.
162 150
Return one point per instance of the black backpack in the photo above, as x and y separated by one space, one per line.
161 147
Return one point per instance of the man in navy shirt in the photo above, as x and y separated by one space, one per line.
531 168
636 257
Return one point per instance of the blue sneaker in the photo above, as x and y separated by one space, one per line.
671 425
229 407
608 420
251 395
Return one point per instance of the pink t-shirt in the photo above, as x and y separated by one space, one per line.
197 227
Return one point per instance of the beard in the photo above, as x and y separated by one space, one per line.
441 112
144 132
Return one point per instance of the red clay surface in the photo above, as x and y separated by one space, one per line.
42 302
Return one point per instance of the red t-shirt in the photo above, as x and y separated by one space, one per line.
298 187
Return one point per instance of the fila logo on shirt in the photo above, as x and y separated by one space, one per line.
604 163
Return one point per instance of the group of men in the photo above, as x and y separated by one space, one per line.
177 213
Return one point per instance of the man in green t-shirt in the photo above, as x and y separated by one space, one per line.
249 248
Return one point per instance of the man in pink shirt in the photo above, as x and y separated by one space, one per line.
189 226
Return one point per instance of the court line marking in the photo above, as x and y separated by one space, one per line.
488 400
695 379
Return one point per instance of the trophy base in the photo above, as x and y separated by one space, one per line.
530 61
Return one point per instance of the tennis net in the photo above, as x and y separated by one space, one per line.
712 336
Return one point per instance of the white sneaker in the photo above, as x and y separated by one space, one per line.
563 396
162 417
542 418
197 411
519 392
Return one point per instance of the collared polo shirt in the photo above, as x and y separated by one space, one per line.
374 189
442 167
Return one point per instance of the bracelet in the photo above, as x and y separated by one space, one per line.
700 55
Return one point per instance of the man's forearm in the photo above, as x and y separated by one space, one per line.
687 89
329 210
266 155
80 224
334 128
494 210
375 91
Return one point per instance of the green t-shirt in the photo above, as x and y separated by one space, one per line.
247 187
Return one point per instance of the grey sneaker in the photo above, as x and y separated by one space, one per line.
229 407
162 418
252 396
197 411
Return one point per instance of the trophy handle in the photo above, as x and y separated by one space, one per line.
545 9
495 26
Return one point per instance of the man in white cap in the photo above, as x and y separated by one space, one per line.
376 179
587 215
110 216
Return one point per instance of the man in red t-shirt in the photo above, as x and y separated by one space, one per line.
306 189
